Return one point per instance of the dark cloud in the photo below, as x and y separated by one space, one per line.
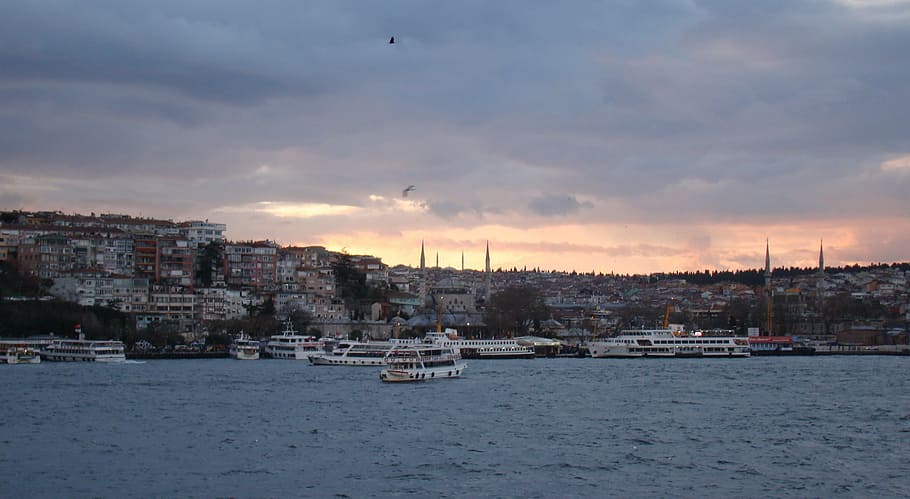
557 205
717 110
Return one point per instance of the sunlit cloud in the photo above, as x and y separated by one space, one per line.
897 165
293 210
385 204
22 184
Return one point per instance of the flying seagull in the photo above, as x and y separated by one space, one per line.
392 40
408 189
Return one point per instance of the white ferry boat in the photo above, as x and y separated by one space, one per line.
244 348
421 362
290 345
475 349
68 350
19 354
671 343
353 353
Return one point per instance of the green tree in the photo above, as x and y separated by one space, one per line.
211 259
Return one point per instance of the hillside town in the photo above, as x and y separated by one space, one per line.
188 275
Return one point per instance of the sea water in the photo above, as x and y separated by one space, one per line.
759 427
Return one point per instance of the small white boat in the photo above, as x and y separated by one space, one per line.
421 363
20 354
244 348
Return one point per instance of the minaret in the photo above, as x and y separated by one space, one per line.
767 264
437 259
462 261
820 283
423 276
488 273
768 291
821 257
423 260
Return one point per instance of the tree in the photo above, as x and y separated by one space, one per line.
514 309
210 260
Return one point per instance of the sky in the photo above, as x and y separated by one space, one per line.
608 136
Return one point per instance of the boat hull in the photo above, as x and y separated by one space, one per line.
83 358
14 358
478 353
338 360
426 374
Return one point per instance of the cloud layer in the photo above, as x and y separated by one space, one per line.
626 136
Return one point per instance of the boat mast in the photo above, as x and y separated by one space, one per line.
439 316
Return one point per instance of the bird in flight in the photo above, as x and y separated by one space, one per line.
408 189
392 40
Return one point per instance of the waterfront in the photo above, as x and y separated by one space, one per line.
771 426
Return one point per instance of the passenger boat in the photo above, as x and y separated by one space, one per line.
290 345
83 350
244 348
353 353
420 363
19 354
671 343
778 345
475 349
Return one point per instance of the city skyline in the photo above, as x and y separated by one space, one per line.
614 137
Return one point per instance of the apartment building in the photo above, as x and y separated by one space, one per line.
251 264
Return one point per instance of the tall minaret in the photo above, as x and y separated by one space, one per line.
768 292
423 260
821 257
462 261
820 284
437 259
423 276
488 273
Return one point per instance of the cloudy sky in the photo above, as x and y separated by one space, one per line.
623 136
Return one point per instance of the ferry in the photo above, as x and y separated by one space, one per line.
677 343
83 350
290 345
353 353
475 349
421 363
19 354
244 348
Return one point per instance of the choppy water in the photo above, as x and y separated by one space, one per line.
782 427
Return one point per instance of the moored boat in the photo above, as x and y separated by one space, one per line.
671 343
472 348
290 345
83 350
779 345
19 354
353 353
420 363
244 348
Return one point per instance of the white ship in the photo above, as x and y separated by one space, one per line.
353 353
83 350
421 363
290 345
474 349
671 343
244 348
